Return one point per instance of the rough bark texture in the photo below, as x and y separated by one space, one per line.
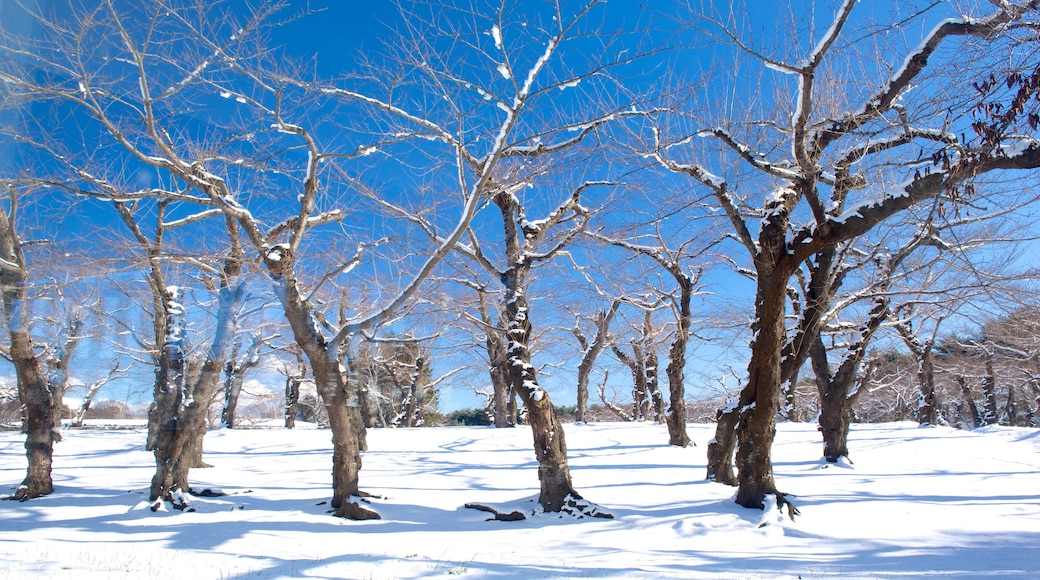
234 376
758 403
990 415
345 420
721 447
635 363
675 416
38 414
928 411
550 445
503 398
292 401
837 395
180 414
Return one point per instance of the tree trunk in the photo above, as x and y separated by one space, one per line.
969 401
346 423
38 414
928 409
675 416
588 359
635 365
759 399
1010 409
990 415
329 377
835 400
165 431
33 390
550 444
653 387
232 391
721 447
292 401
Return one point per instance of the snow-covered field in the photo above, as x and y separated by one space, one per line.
917 503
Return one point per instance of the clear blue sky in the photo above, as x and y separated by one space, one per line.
334 32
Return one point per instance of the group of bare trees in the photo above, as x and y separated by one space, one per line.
487 157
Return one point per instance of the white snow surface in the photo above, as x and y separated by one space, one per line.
916 503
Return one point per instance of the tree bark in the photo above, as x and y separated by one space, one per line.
588 359
292 401
969 400
990 415
345 420
234 376
675 416
928 410
721 447
34 392
635 366
759 399
550 444
837 395
38 415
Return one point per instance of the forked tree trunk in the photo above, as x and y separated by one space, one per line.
179 417
635 366
838 390
345 420
591 351
234 377
837 395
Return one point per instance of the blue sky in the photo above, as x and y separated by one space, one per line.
331 35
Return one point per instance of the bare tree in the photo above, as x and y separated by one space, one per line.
823 179
647 402
34 391
687 286
140 68
239 361
537 195
590 351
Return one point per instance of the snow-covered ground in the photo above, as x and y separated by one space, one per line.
917 503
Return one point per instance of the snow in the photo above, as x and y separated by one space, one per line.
504 71
915 502
496 33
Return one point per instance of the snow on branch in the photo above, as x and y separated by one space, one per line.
197 217
916 61
755 159
859 219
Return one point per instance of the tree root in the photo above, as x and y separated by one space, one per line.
782 501
573 506
25 492
513 516
355 511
